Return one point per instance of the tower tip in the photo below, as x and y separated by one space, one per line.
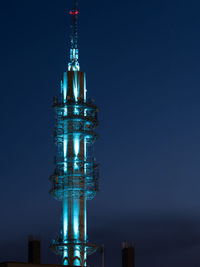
73 65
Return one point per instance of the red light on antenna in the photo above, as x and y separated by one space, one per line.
74 12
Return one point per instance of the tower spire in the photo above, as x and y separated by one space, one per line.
73 65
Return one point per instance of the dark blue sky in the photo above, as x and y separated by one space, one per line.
142 60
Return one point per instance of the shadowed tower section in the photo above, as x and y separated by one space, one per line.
75 179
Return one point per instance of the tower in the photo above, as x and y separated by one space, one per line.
75 179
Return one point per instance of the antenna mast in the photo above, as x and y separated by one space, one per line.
74 64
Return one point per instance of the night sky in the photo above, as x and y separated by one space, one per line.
142 60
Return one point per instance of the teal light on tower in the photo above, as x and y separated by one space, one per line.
75 179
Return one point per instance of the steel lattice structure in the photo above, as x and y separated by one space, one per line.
75 179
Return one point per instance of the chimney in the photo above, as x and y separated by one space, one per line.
128 255
34 250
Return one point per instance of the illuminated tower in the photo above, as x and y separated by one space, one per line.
75 179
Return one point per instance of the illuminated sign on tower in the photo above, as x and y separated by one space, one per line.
75 179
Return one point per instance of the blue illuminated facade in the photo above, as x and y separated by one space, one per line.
75 179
